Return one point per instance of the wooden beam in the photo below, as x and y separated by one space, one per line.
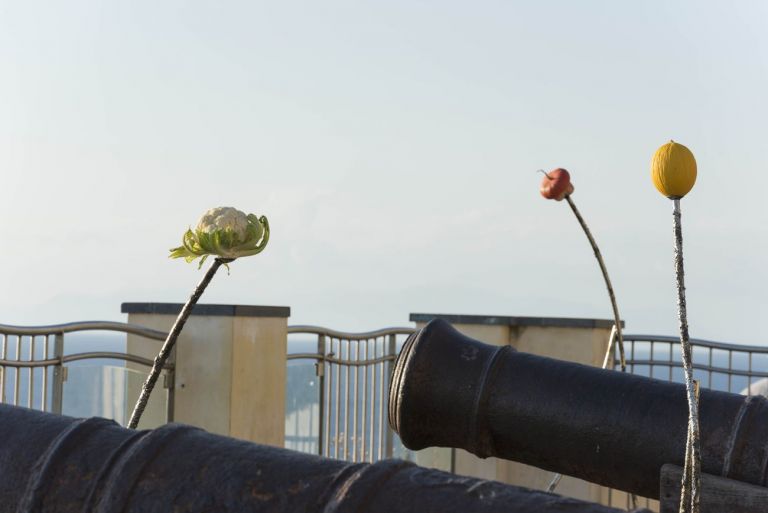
718 494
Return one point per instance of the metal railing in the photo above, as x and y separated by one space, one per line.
716 365
346 414
33 361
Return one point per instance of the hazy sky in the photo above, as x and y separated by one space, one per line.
393 146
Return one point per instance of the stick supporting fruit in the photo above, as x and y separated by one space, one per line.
673 171
170 342
557 185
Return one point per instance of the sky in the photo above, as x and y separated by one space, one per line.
393 147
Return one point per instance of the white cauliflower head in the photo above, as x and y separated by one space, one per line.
224 218
224 232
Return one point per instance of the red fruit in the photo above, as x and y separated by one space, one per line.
556 184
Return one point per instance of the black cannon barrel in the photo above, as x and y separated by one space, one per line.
54 464
604 426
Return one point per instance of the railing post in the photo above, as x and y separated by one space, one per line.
59 375
320 372
170 384
391 351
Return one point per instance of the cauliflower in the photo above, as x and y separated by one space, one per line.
224 218
224 232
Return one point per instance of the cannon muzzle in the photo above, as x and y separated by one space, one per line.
603 426
54 464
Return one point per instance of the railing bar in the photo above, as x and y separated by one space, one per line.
3 369
30 375
337 405
391 350
320 374
46 342
372 441
17 373
380 451
699 342
354 405
730 369
57 392
346 403
361 363
329 399
52 329
341 335
749 379
721 370
83 356
363 414
671 362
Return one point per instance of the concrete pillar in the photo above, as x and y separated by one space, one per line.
578 340
230 368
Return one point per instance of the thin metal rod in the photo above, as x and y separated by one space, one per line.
3 370
31 375
17 375
354 438
372 436
170 341
692 470
337 405
46 343
328 399
555 481
346 404
730 368
388 440
609 356
604 270
380 450
363 414
57 393
321 392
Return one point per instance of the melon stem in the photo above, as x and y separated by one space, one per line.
691 485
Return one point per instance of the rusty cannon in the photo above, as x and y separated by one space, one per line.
603 426
55 464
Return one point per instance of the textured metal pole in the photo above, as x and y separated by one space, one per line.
170 341
692 473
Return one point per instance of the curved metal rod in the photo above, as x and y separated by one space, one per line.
69 327
81 356
319 330
351 363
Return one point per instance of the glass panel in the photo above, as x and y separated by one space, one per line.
104 391
302 407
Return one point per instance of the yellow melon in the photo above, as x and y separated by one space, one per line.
673 170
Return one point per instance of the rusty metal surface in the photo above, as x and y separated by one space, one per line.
54 464
607 427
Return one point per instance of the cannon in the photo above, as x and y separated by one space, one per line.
56 464
603 426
